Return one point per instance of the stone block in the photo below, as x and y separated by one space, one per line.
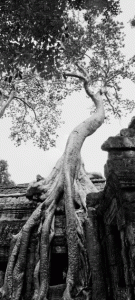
119 142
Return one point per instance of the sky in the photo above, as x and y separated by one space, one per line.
26 161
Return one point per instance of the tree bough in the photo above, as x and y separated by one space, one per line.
27 273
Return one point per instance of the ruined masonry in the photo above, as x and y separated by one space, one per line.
110 226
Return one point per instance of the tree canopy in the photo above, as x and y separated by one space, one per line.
98 46
92 38
30 30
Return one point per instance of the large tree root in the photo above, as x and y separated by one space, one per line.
28 266
27 274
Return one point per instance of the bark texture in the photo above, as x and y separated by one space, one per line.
27 274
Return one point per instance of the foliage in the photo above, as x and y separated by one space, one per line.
33 35
36 107
30 30
4 175
96 7
108 65
83 36
99 49
133 22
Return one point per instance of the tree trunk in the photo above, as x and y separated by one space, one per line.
67 181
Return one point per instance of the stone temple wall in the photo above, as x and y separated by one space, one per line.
14 212
112 222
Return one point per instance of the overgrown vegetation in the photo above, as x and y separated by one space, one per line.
88 51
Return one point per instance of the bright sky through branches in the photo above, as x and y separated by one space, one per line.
26 161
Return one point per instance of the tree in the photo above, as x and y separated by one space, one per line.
29 30
69 183
4 175
32 41
35 106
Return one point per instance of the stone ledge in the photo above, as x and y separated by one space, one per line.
13 188
119 142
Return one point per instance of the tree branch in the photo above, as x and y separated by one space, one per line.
110 103
12 195
79 76
82 70
85 81
118 72
96 65
28 106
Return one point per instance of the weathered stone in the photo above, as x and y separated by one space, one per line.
110 213
21 188
1 278
95 257
94 199
130 232
99 183
116 154
56 292
123 168
128 132
119 142
119 212
132 123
